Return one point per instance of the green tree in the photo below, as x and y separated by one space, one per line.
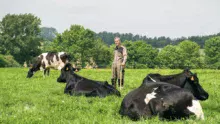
47 46
184 55
190 52
170 57
48 33
19 34
101 54
78 42
140 54
8 61
212 52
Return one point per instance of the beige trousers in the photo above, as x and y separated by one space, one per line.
116 68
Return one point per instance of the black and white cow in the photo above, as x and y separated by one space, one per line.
47 61
186 80
78 85
166 100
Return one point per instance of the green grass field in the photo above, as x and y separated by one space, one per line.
41 100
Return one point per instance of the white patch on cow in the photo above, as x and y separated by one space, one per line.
196 108
55 64
61 64
152 79
44 59
150 96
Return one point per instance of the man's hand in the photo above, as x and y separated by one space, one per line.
123 65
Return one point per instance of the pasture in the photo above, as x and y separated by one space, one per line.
41 100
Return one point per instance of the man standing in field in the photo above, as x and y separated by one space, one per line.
118 65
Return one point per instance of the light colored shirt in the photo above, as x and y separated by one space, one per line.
120 54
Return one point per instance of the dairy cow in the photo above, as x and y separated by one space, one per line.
78 85
168 101
185 79
45 61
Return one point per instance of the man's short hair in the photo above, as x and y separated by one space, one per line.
117 38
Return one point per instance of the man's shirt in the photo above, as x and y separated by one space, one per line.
120 54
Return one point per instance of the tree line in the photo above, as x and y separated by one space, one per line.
158 42
22 39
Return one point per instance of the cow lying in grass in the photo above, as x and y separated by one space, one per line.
78 85
47 61
163 99
186 80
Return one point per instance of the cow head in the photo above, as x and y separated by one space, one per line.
30 73
32 70
192 84
66 71
111 90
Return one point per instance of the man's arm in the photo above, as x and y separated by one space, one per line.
124 56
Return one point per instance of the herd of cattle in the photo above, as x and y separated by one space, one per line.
168 96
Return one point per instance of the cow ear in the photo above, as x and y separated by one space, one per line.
74 69
187 72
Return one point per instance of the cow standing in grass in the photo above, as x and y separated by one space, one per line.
49 60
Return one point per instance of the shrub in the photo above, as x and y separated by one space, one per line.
8 61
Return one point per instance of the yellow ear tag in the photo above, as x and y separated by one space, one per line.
67 69
192 78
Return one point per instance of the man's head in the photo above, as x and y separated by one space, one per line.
117 41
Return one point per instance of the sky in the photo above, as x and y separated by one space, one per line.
170 18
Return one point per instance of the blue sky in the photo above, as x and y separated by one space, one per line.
173 18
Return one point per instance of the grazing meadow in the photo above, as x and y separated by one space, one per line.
41 99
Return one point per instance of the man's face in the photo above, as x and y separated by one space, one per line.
117 42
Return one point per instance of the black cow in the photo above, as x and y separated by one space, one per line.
186 80
78 85
47 61
163 99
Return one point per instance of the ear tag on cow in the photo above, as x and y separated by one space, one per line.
67 69
192 78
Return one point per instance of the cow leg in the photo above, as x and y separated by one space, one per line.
45 70
69 89
48 71
96 92
153 108
92 94
158 107
66 89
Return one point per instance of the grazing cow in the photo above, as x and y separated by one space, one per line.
186 80
166 100
47 61
78 85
